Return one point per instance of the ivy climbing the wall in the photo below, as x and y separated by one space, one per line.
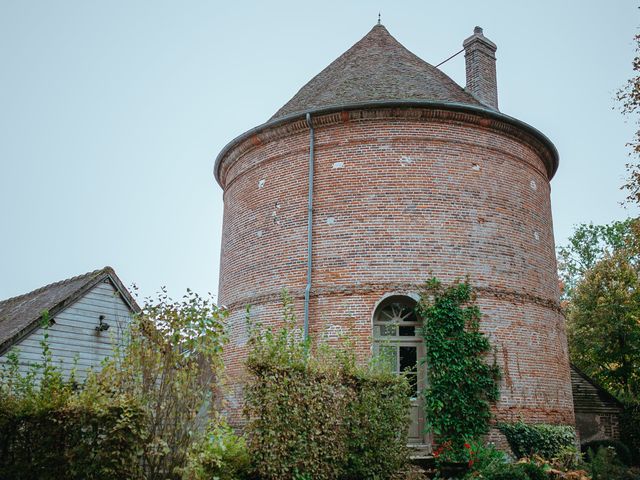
461 383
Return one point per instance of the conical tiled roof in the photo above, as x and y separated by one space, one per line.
377 68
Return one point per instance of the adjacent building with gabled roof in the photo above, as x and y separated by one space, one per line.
597 411
86 315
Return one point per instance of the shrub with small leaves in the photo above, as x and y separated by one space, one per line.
544 440
171 363
220 454
622 451
314 414
48 430
630 428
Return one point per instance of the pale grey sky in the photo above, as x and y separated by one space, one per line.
112 113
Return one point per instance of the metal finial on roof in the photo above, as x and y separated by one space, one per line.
379 20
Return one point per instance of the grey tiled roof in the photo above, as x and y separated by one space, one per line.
377 68
22 314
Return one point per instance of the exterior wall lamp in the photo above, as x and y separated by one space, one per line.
102 325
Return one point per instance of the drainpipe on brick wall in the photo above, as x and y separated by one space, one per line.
307 290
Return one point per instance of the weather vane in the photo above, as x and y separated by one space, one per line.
379 21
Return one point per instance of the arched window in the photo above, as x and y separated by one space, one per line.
397 337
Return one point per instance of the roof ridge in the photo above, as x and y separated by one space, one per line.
91 274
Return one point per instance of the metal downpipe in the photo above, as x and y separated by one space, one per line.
307 290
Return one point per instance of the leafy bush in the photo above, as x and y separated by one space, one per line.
171 364
73 443
630 428
312 413
544 440
375 419
622 451
483 457
605 465
136 418
513 471
461 385
50 431
221 454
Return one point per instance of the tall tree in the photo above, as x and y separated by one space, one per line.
603 324
629 99
589 244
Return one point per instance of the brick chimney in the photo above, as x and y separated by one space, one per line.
480 59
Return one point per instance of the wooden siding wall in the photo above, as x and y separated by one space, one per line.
74 332
597 415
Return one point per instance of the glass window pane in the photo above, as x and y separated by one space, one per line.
408 359
407 331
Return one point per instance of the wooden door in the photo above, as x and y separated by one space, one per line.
398 341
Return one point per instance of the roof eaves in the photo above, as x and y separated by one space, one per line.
106 273
481 110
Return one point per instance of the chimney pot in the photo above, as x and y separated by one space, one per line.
480 62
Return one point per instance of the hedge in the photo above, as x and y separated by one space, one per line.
540 439
313 413
72 442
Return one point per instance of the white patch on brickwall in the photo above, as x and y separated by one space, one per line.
277 205
536 235
533 184
338 165
259 233
406 160
331 220
261 183
334 331
475 167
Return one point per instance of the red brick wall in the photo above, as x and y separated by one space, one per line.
399 195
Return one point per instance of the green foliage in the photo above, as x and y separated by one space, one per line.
461 385
588 245
546 441
73 442
511 471
622 451
483 457
603 327
170 364
137 418
50 431
630 428
629 100
220 454
376 421
605 465
313 413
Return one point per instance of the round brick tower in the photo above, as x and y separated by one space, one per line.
411 176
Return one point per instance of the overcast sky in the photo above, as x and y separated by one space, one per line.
112 114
